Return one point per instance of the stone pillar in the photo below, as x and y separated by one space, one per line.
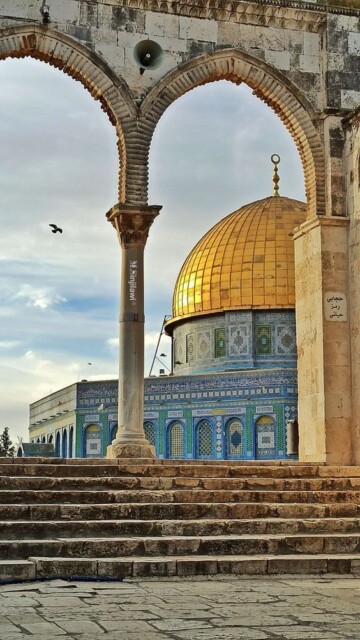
352 163
132 223
323 341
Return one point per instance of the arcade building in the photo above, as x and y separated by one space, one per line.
232 390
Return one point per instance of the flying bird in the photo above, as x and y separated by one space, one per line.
55 228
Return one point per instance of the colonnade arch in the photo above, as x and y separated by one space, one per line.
268 85
80 63
135 124
135 121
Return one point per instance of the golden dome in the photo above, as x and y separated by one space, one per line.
246 261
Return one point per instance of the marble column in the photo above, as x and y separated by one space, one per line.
132 223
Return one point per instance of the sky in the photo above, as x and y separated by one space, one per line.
59 293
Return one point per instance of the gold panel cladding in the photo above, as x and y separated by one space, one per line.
245 261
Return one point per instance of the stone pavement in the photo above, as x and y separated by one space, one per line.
256 608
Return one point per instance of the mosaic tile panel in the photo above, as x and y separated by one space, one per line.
285 340
161 444
219 448
179 349
189 431
78 436
279 411
239 340
190 348
220 342
203 345
265 437
249 431
226 381
263 340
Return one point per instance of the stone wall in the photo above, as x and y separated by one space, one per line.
299 57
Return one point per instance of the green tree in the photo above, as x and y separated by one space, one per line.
7 449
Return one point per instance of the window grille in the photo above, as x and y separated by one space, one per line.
176 437
204 439
149 429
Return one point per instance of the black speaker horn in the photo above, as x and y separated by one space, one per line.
148 55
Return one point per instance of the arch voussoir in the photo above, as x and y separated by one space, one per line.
83 65
268 85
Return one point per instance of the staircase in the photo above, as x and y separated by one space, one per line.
135 518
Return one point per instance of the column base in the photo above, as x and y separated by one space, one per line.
140 449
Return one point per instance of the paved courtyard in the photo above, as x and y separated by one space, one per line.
287 608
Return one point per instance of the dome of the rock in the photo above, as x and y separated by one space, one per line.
245 261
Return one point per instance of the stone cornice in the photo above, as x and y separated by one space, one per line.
229 10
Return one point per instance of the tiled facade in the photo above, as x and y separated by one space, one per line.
237 414
235 340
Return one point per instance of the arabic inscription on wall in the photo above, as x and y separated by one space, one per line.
335 306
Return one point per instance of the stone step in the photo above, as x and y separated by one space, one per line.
39 568
177 469
180 545
182 566
99 518
23 529
176 496
169 483
17 571
162 461
172 511
172 468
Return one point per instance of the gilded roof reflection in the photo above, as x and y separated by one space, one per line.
246 261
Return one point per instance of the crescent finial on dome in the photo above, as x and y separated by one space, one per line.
275 159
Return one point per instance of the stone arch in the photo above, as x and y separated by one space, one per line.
84 65
270 86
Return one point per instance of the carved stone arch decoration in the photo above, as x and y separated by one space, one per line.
268 85
80 63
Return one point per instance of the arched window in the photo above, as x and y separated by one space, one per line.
265 444
71 441
204 440
234 439
50 438
149 429
176 440
57 444
92 441
43 439
64 444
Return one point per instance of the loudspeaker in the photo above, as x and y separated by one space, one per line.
148 55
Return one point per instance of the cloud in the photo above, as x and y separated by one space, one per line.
113 342
37 297
8 344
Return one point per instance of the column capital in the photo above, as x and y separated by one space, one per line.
132 222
